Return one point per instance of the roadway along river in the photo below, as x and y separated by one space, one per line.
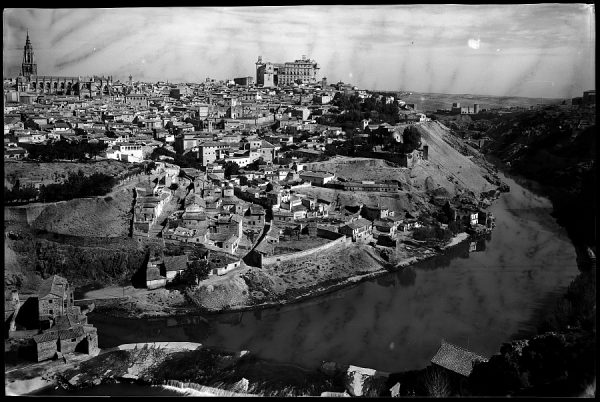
396 322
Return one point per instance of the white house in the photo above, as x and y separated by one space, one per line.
126 152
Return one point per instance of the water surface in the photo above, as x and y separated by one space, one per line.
396 322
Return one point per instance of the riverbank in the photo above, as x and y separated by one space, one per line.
128 309
493 292
37 376
193 372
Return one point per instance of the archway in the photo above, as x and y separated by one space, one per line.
83 346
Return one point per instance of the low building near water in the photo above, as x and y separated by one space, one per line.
61 327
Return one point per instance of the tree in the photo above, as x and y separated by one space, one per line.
411 138
148 167
29 123
254 165
196 272
231 168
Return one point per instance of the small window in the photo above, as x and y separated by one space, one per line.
73 340
50 311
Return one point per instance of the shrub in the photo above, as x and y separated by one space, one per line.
432 233
436 383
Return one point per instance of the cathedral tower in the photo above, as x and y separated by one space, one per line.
28 68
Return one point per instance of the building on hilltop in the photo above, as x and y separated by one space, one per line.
28 67
29 80
244 81
457 109
302 71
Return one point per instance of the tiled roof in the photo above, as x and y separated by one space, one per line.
175 263
456 359
53 335
49 286
66 321
360 223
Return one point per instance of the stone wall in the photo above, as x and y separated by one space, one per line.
46 350
342 241
23 334
68 345
92 338
328 234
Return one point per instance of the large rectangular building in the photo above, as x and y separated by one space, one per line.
302 71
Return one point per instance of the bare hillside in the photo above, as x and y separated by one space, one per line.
361 169
447 167
96 217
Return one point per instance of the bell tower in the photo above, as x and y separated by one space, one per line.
29 67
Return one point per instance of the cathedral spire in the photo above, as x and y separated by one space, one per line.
29 67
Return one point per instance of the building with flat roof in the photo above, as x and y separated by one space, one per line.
244 81
302 71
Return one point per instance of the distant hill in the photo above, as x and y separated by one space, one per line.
550 147
434 101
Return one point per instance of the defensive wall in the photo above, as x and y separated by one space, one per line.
341 241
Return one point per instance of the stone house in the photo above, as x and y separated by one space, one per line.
64 328
79 338
254 218
154 279
55 298
385 226
221 263
174 265
361 229
375 212
194 218
317 178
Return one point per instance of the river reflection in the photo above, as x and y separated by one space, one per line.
396 322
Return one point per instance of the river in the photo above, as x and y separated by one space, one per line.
396 322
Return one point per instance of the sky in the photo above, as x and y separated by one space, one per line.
541 50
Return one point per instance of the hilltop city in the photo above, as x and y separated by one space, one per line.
166 199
